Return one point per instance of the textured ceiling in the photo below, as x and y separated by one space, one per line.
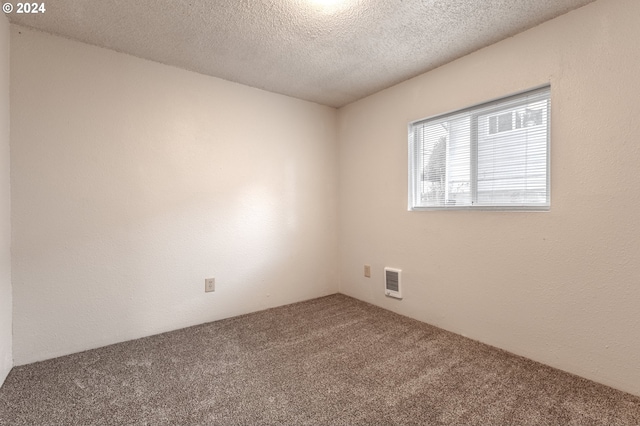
332 52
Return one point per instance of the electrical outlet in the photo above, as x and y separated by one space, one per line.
209 285
367 271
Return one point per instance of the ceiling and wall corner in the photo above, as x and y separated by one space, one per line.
332 54
6 299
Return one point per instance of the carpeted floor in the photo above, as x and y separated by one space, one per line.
328 361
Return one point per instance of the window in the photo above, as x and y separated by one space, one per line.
490 156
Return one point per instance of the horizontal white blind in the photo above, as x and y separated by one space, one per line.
491 155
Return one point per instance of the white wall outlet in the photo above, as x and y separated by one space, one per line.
209 285
367 271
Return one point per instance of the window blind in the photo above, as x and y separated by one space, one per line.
494 155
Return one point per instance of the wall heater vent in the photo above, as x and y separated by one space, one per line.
392 283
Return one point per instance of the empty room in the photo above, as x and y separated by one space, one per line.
320 212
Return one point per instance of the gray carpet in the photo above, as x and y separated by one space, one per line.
328 361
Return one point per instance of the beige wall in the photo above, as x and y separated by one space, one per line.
561 287
134 181
6 358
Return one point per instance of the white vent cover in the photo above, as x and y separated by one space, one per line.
392 283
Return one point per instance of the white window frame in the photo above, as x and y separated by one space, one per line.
415 158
